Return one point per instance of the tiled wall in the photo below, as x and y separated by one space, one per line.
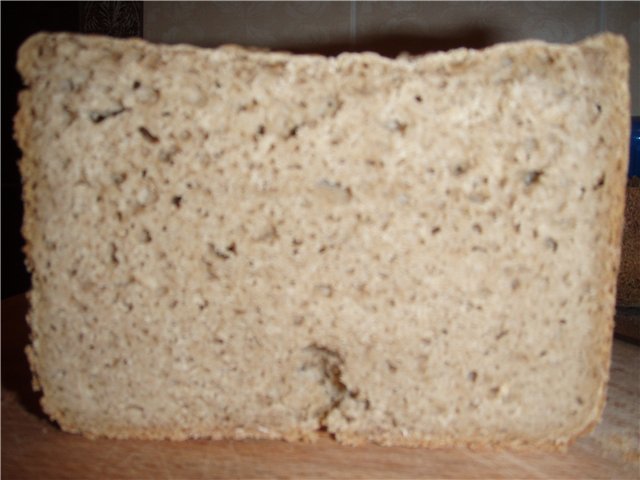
391 27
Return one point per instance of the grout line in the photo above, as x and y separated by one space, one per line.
353 22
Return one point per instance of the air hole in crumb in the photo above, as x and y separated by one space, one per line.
146 236
598 107
392 367
397 125
177 201
136 85
551 244
444 331
98 117
213 249
579 401
261 130
114 254
322 249
532 177
562 321
600 183
502 334
435 230
119 178
147 135
374 163
515 284
543 353
418 98
472 376
477 228
459 170
232 248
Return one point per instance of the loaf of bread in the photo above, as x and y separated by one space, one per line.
629 276
232 243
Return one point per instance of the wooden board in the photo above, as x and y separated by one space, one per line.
33 447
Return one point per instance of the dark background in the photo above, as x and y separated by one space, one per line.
19 21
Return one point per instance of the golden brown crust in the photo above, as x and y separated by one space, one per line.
611 214
352 440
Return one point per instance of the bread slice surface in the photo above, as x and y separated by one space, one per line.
232 243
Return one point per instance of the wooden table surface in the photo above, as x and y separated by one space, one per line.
33 447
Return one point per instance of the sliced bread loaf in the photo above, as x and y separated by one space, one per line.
239 244
629 276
